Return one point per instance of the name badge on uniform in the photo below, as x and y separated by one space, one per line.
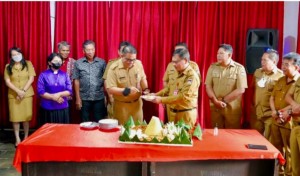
262 82
138 80
175 92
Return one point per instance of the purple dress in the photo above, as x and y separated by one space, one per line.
49 82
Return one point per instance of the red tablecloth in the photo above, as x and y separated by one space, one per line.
62 143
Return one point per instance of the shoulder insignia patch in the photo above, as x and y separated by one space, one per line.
189 81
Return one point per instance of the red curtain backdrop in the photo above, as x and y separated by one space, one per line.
155 27
26 25
76 22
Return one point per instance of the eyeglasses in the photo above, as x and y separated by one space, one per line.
176 62
130 60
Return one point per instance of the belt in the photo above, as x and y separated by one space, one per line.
181 110
127 101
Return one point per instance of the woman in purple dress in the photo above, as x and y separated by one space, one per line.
54 86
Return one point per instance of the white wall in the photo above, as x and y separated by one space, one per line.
290 28
52 18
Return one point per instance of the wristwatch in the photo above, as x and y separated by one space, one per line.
223 100
290 112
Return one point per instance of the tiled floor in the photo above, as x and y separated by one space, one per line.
7 152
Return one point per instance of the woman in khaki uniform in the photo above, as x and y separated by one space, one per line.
19 75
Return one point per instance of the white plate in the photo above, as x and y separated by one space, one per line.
148 97
108 124
89 125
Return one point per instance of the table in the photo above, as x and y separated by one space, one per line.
65 149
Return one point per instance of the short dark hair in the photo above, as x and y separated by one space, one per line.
124 43
129 49
88 42
293 56
226 47
183 44
182 53
52 55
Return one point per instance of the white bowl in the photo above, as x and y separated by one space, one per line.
108 124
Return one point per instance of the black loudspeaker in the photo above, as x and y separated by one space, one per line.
258 41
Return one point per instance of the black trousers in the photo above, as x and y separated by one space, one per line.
93 110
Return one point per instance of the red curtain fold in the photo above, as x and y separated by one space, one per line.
205 25
26 25
76 22
153 27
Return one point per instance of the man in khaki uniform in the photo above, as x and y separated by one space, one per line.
295 149
225 83
126 81
293 98
281 126
263 83
171 73
109 97
181 93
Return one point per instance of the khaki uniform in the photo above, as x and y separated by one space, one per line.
295 134
261 115
171 74
20 111
295 150
223 81
131 105
181 94
109 106
295 90
110 62
280 133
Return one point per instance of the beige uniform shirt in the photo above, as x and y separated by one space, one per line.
279 92
118 76
295 91
182 92
224 80
110 62
171 73
264 85
19 78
